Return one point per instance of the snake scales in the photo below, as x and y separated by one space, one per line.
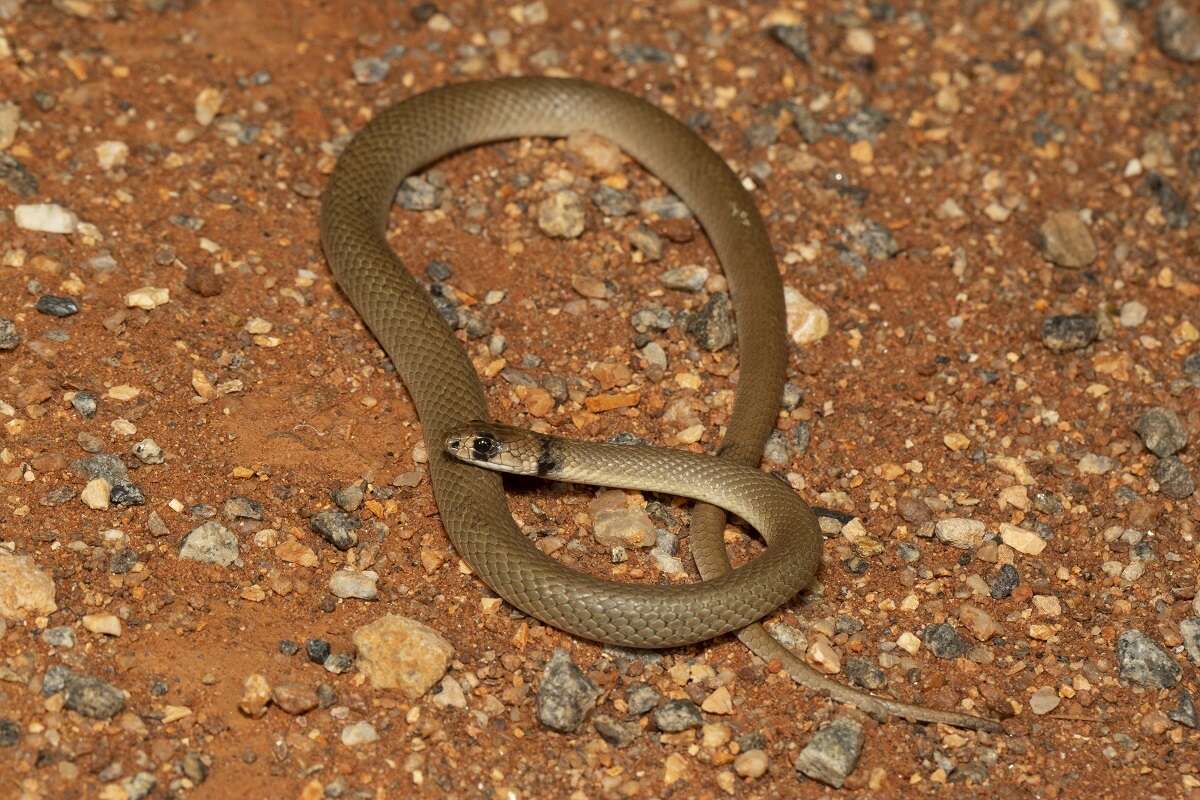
446 390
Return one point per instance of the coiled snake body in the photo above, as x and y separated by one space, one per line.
446 390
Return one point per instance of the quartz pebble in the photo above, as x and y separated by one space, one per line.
46 218
358 734
396 652
25 590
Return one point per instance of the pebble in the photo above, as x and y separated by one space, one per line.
256 694
1066 241
978 621
566 695
294 698
419 194
589 287
25 590
1189 630
751 764
111 154
618 734
832 753
627 527
677 715
450 694
641 698
1022 540
148 452
1185 711
61 636
668 207
806 321
45 218
1133 314
690 278
317 650
202 280
93 698
1044 700
647 242
148 298
712 326
357 734
1005 581
794 38
600 154
9 338
10 732
965 534
55 306
137 786
864 673
96 493
613 202
10 121
107 624
1093 464
944 641
396 652
1177 30
353 584
1144 662
561 215
369 70
1162 431
211 543
1063 333
336 527
1174 478
208 104
655 355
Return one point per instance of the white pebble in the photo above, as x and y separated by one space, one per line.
148 297
95 494
46 218
107 624
359 733
111 154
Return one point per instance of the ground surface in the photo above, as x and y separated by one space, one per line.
906 158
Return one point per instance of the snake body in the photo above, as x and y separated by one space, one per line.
446 391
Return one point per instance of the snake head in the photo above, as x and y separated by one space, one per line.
494 447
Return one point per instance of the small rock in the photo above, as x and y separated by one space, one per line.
647 242
202 280
1093 464
1022 540
794 38
1144 662
211 543
624 528
864 673
943 641
1133 314
1189 629
1066 241
832 753
396 652
566 695
978 621
337 528
138 786
10 732
61 636
10 120
618 734
419 194
1184 712
965 534
111 154
1162 431
347 583
370 70
148 452
685 279
317 650
148 298
751 764
1044 700
208 104
640 698
54 306
561 215
45 218
93 698
9 338
1063 333
1174 478
613 202
712 326
450 694
1004 582
294 698
95 494
807 322
1177 30
107 624
25 590
359 733
677 715
349 498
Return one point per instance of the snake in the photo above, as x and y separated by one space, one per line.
447 394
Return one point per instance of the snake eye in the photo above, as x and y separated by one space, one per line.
484 447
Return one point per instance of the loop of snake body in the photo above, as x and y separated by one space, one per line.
446 391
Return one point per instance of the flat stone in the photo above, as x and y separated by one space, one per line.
25 590
1066 241
1022 540
832 753
1144 661
396 652
211 543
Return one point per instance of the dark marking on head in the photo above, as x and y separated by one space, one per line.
549 460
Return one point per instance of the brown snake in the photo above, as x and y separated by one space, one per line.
446 390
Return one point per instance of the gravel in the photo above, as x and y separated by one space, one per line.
1143 661
1063 333
1162 431
55 306
566 695
211 543
677 715
832 753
